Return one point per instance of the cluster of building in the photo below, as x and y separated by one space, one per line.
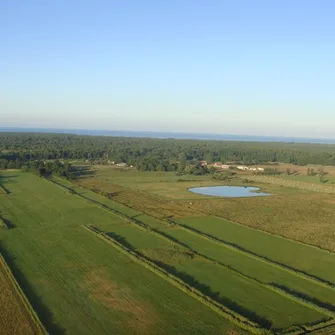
219 165
249 168
122 164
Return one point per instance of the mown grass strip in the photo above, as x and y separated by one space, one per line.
35 321
230 315
298 299
276 235
236 247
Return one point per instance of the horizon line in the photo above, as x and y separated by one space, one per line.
187 135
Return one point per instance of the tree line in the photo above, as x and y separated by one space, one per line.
147 154
46 169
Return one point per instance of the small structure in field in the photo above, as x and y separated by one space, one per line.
221 166
247 168
121 164
243 168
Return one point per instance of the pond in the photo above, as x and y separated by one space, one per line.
229 191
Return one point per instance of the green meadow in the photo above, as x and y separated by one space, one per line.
79 283
304 258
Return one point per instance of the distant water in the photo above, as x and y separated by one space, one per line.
162 135
229 191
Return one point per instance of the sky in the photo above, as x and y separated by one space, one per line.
227 67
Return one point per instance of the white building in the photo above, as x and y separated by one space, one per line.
244 168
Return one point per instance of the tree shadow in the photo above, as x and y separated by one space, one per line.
43 312
304 296
4 180
8 223
121 240
82 171
203 288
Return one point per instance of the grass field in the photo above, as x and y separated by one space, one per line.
16 317
309 179
78 284
243 264
217 279
70 275
161 251
286 212
306 259
266 272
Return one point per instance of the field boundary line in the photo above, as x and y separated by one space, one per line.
319 326
22 297
224 311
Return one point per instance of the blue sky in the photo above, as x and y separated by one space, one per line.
236 67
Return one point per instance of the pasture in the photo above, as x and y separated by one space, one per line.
198 270
268 273
70 274
210 278
78 284
307 259
293 211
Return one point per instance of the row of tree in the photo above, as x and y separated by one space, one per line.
45 169
154 154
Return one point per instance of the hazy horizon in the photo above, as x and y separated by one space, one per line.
174 135
241 68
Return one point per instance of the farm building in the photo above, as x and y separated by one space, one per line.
247 168
244 168
221 166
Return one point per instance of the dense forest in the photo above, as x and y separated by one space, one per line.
20 149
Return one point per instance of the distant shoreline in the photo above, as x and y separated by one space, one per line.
167 135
